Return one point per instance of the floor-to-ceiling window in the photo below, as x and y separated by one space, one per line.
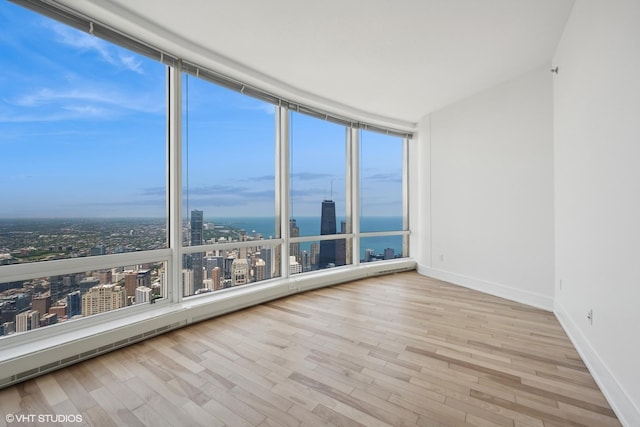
228 177
89 201
83 206
318 194
382 197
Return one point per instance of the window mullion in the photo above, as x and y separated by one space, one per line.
283 186
353 141
174 173
405 195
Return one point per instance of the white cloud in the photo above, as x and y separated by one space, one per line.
132 63
87 42
68 104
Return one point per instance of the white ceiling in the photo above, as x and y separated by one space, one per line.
393 59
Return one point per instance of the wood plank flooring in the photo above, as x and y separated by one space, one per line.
400 350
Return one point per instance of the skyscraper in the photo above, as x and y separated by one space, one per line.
260 270
74 304
328 226
41 303
215 278
314 255
56 286
240 272
267 255
143 294
102 298
294 231
197 218
27 321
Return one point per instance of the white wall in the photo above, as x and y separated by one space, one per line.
490 199
597 187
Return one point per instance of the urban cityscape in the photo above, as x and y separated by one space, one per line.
39 302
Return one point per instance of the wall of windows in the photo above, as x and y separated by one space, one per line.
83 147
135 179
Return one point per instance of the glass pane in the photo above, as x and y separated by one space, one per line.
228 171
36 303
380 248
318 187
381 182
228 160
83 136
227 268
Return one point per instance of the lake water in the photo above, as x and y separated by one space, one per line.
310 226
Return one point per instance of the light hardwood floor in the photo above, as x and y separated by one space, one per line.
394 350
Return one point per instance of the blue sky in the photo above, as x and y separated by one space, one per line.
83 134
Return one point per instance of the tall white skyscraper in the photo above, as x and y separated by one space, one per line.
27 321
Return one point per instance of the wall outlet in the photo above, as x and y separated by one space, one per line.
590 316
560 285
441 257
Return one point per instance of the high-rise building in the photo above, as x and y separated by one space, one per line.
228 262
327 226
215 278
102 298
130 285
187 283
143 294
8 328
294 231
260 270
105 276
306 261
56 285
212 262
143 278
197 259
389 253
294 266
88 283
60 310
27 321
41 303
314 256
240 272
267 256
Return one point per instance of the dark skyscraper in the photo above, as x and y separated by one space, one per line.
197 218
328 226
74 304
294 231
267 255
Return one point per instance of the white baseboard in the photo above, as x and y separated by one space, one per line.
503 291
628 413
